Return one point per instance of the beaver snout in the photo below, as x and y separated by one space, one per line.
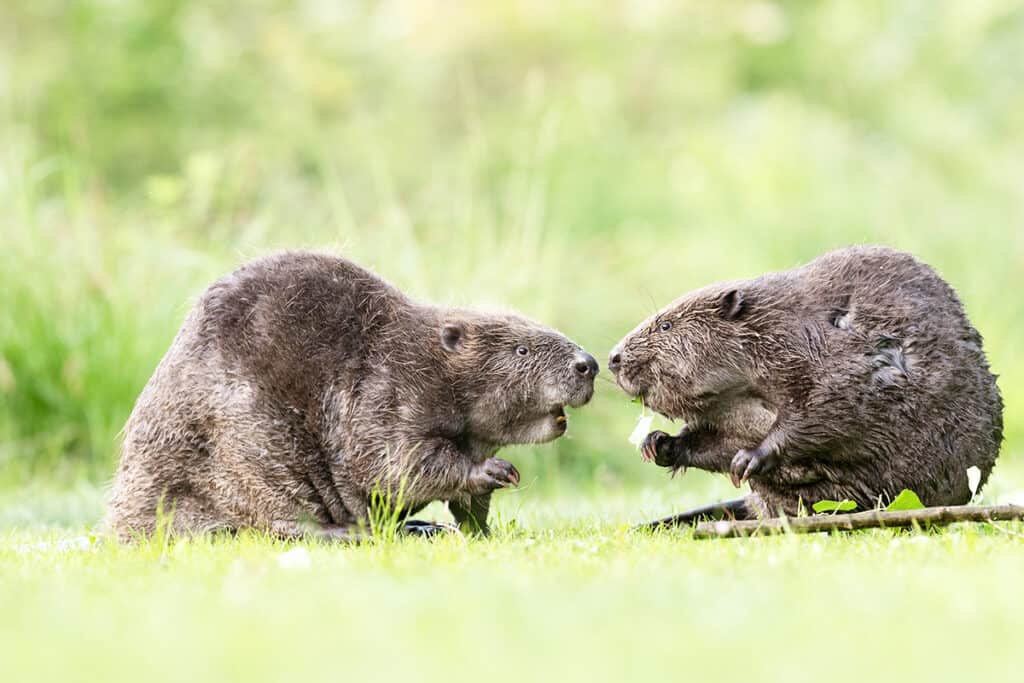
620 357
585 364
615 360
627 369
580 388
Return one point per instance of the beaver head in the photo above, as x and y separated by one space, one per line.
514 377
690 354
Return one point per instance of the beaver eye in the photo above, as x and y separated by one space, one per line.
522 350
665 326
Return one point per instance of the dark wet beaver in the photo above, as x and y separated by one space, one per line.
301 383
850 378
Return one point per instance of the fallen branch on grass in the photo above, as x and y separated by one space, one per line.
871 519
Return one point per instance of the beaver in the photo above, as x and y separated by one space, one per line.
301 387
853 377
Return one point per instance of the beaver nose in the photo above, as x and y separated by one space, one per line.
585 364
615 361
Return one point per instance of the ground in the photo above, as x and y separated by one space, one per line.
563 591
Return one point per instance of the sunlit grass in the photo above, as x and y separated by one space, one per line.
547 598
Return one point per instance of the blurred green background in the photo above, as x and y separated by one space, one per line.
581 162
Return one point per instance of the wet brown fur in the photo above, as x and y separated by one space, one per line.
850 378
302 382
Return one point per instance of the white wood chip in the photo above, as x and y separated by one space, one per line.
643 427
973 479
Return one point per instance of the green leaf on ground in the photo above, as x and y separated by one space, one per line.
906 500
834 506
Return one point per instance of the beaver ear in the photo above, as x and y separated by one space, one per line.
731 304
452 335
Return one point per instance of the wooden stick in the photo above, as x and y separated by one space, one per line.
871 519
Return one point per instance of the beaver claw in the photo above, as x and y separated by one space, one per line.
649 447
747 463
493 473
665 450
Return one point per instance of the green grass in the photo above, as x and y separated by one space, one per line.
581 163
564 591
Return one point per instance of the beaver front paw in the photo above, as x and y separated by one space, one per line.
491 474
665 450
747 463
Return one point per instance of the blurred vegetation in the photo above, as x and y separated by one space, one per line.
582 165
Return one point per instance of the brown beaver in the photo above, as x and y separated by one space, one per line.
850 378
301 384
